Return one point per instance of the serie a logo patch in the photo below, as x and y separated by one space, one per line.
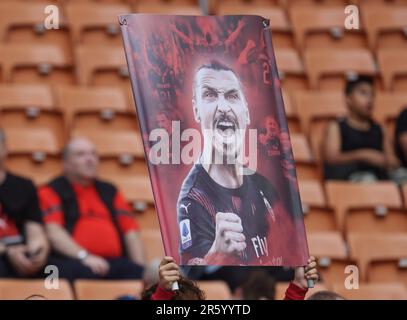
185 232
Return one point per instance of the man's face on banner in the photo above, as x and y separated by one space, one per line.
221 109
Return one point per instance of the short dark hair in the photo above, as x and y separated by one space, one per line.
259 285
325 295
352 83
188 290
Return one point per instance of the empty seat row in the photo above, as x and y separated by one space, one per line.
106 65
367 257
316 25
16 289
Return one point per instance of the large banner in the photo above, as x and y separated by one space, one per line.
216 139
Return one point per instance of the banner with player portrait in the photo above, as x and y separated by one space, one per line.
215 135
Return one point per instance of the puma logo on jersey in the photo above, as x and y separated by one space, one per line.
185 207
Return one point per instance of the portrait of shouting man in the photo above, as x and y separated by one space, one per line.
227 214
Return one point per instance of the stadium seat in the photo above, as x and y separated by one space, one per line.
291 113
152 243
367 207
312 3
393 68
381 258
327 68
290 69
215 290
36 63
101 65
281 288
330 250
387 107
30 134
165 8
323 27
315 110
91 23
117 136
99 102
385 25
147 217
317 215
107 289
31 98
23 22
39 169
304 159
17 289
279 23
373 291
132 179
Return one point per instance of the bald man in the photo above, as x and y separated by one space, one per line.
90 226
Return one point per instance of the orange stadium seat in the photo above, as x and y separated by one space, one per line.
362 207
132 179
95 24
39 169
381 258
315 110
323 27
153 244
387 107
290 69
116 135
23 22
215 290
281 288
147 217
291 113
99 102
312 3
304 159
36 63
331 252
380 2
166 8
107 289
373 291
100 64
31 98
327 68
317 215
13 289
279 23
393 68
385 25
28 133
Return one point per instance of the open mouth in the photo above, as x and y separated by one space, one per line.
226 127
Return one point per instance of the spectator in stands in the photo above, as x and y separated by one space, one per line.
400 175
325 295
168 273
92 231
259 285
23 244
355 147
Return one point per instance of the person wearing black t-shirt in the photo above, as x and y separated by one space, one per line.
355 147
400 175
23 245
227 214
